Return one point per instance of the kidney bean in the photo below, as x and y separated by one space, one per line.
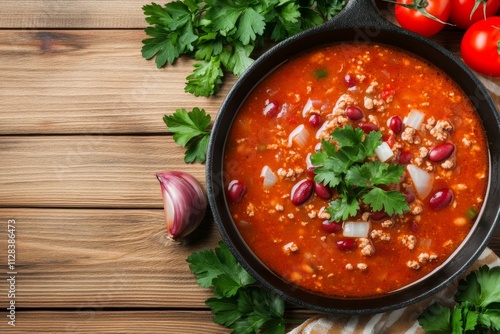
441 152
395 123
322 191
331 227
414 226
354 113
379 215
410 197
315 120
271 109
346 244
368 127
310 172
441 199
302 191
404 158
235 191
350 80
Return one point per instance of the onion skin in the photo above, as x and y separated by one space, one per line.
184 202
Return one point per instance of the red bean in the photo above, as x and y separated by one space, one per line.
315 120
395 123
368 127
331 227
441 152
354 113
346 244
379 215
271 109
310 172
235 191
302 191
323 191
404 158
350 80
414 226
441 199
410 197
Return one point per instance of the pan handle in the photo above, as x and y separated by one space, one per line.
361 13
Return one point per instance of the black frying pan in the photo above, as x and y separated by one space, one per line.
361 22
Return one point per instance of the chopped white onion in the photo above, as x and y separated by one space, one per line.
269 106
321 129
299 136
422 180
384 152
307 107
356 229
308 161
414 119
269 177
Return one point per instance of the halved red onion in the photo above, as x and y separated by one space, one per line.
184 202
269 177
384 152
422 180
356 229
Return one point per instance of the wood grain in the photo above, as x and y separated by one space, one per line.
87 171
102 258
66 82
38 14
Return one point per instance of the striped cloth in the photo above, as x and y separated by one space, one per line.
403 321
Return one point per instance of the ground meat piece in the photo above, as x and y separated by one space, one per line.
416 207
368 103
409 241
290 247
387 223
449 164
408 135
371 88
250 210
362 266
413 265
380 235
349 266
441 130
423 152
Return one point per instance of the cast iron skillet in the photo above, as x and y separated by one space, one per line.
361 22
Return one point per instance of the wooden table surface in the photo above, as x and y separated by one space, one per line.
81 138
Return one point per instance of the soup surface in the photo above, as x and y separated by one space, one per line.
280 192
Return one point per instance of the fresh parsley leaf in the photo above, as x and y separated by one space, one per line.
231 30
477 309
190 130
436 319
220 270
344 164
239 304
206 78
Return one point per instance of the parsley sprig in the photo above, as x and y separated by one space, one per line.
344 164
477 310
239 303
191 130
222 34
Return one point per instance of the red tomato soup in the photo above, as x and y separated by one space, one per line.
428 128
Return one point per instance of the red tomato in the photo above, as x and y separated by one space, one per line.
461 11
479 46
414 19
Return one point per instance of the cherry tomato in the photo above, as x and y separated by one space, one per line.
461 11
414 19
480 47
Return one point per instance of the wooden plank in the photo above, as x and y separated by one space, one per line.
140 321
28 14
88 171
101 258
57 82
98 321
